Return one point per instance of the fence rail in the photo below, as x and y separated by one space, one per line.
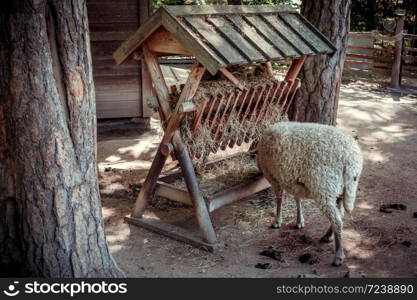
372 55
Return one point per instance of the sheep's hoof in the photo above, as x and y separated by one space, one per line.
337 262
276 225
299 225
326 239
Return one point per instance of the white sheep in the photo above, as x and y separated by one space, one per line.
313 161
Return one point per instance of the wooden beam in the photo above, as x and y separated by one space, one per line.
148 188
187 94
269 69
202 52
181 153
173 193
295 68
227 9
232 78
200 206
191 85
134 41
237 192
163 42
158 80
172 231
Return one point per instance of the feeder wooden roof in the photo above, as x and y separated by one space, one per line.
223 35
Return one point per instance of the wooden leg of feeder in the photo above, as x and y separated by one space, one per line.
200 206
295 68
148 187
268 68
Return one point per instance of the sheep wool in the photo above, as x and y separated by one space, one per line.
313 161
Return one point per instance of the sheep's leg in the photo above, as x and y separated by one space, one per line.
278 219
333 214
328 236
300 217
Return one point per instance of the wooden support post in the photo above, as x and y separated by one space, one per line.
172 192
199 203
268 68
180 149
191 85
295 68
148 188
158 80
238 192
187 94
396 65
232 78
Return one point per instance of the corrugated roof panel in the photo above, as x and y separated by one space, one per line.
220 36
303 29
291 36
249 33
214 40
233 36
270 35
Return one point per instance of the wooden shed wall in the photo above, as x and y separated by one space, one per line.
118 88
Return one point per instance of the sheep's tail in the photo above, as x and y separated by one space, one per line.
349 191
348 201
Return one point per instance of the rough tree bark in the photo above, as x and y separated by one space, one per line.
50 213
321 75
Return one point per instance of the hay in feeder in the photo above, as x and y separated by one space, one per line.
225 174
203 140
210 85
230 128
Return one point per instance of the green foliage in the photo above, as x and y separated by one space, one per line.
369 15
288 2
158 3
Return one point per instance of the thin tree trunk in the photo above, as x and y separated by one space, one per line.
50 213
321 75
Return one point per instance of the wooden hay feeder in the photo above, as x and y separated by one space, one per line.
218 37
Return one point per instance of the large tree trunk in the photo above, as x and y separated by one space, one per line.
50 213
321 75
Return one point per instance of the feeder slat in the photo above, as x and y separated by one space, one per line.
276 100
287 92
259 110
258 113
218 108
198 115
246 114
220 124
252 115
234 138
297 85
226 133
267 106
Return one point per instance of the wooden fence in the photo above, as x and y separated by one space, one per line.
409 57
375 60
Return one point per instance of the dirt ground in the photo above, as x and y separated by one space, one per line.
377 244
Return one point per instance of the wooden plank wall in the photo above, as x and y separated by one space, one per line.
118 88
